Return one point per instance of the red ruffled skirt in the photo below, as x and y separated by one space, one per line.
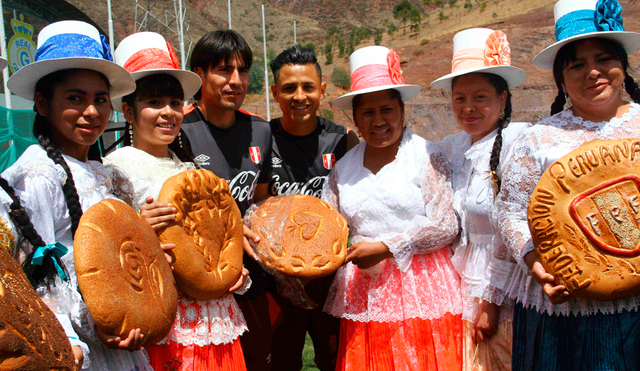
177 357
410 345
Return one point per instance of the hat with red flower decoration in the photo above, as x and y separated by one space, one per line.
375 68
481 50
148 53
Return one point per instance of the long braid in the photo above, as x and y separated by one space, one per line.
42 132
632 88
38 276
497 144
558 103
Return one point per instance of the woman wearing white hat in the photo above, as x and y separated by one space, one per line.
481 102
71 82
398 295
205 334
552 329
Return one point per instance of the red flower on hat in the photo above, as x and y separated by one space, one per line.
497 51
395 73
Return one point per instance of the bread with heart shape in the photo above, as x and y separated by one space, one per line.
300 236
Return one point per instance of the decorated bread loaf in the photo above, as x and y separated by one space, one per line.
123 274
584 219
30 336
207 232
300 236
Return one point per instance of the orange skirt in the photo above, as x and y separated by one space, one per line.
177 357
411 345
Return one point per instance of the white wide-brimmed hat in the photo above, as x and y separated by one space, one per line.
481 50
68 45
148 53
375 68
582 19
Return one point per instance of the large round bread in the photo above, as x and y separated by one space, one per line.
31 337
123 274
584 219
207 232
300 236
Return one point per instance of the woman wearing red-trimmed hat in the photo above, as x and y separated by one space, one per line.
205 334
398 295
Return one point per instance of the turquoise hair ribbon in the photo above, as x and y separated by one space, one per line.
607 16
57 249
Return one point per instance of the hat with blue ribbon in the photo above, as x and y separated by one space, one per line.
582 19
148 53
70 45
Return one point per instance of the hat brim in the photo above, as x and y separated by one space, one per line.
190 82
630 42
514 76
23 82
406 92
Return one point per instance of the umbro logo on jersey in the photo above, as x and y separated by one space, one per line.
276 162
202 159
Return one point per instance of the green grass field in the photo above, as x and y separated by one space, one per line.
307 356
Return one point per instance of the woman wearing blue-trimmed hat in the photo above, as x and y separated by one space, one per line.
552 329
71 83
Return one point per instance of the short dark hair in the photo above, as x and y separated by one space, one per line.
358 100
295 55
219 46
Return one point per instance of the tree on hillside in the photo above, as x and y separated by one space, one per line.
416 19
341 78
256 79
402 12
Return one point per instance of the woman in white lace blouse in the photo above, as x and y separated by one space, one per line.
553 330
398 295
205 334
481 104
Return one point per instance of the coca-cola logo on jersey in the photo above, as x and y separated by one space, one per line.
243 185
312 187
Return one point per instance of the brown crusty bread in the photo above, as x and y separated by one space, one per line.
300 236
31 338
207 232
123 274
584 219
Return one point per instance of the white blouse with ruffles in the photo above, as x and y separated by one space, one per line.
408 205
474 203
538 148
137 175
38 182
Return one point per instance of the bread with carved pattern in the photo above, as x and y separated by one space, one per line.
123 274
300 236
207 232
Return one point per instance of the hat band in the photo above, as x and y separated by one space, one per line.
72 45
606 17
496 52
373 75
152 58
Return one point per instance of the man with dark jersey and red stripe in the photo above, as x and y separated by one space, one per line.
236 146
304 149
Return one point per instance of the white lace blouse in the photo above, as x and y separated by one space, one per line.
537 149
408 205
474 203
137 175
38 182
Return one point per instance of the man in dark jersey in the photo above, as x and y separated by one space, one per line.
304 149
236 146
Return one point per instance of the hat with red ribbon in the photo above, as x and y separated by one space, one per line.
148 53
375 68
481 50
585 19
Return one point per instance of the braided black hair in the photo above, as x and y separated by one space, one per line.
567 54
500 85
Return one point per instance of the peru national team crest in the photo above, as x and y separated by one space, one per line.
328 160
255 154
